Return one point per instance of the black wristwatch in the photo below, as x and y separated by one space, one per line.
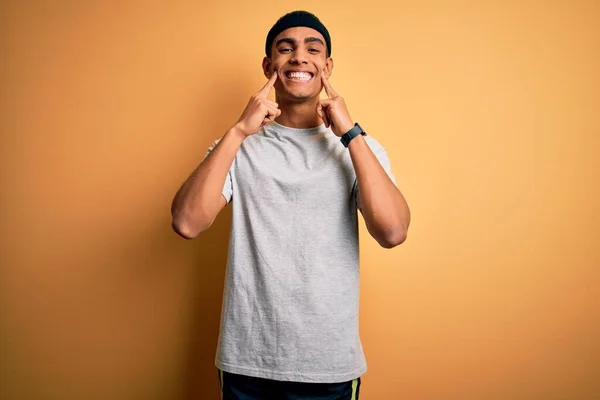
351 134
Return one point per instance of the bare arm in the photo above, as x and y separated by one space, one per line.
383 207
199 200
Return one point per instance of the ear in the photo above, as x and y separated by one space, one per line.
266 66
328 67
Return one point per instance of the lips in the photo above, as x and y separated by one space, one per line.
299 76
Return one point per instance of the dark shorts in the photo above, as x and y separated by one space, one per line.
241 387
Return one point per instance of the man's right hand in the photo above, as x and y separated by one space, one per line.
259 111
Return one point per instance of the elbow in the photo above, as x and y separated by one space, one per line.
393 239
186 229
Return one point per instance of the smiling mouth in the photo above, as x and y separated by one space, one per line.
299 76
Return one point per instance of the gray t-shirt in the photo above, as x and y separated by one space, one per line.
290 303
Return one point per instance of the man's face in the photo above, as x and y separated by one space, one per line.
299 55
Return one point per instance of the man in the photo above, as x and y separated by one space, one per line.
296 171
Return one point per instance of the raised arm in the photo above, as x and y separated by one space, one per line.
199 200
383 207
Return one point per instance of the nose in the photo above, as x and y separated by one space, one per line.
299 57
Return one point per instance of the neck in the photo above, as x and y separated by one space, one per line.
299 115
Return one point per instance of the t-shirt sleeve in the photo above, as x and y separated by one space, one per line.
227 185
383 159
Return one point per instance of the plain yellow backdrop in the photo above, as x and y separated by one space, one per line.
488 111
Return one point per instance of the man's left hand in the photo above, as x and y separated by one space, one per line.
333 110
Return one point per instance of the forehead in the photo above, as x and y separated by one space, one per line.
299 33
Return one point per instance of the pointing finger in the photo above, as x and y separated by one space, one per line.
267 88
328 89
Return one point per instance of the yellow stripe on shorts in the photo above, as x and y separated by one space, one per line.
354 386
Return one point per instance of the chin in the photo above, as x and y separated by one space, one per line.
298 96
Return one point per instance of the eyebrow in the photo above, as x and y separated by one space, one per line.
293 41
313 40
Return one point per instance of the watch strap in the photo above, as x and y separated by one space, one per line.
351 134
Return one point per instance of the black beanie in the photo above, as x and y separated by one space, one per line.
293 19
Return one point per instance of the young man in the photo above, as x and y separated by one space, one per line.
296 171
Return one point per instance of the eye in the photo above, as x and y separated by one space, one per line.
314 51
284 50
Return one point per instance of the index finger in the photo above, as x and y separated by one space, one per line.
269 85
328 89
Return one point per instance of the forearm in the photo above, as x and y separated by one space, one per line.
384 209
199 199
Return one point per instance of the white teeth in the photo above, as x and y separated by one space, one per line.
304 76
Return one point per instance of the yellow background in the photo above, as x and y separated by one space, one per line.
488 110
